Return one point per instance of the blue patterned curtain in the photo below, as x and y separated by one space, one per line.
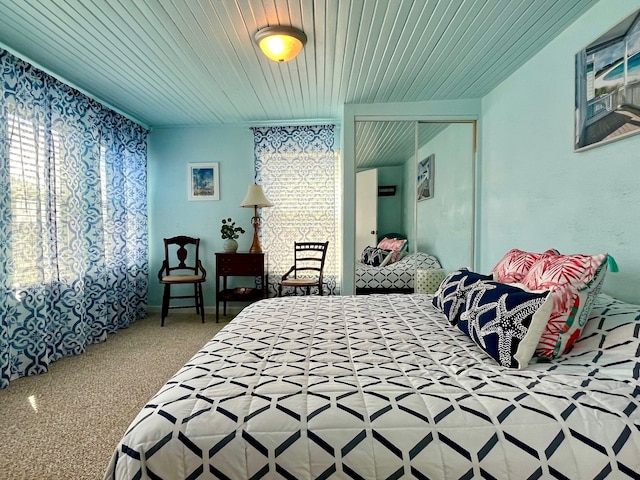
73 222
299 170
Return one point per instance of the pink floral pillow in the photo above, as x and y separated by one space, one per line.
394 244
574 281
516 264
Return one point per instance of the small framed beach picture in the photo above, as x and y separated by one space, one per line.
203 181
607 86
426 177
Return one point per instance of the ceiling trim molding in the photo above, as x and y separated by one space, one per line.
264 123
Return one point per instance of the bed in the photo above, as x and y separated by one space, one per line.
397 277
382 386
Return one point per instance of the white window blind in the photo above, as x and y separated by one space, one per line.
300 173
37 199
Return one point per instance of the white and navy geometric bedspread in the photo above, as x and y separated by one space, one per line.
381 386
398 275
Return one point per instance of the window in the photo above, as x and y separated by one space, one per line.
28 178
72 199
300 173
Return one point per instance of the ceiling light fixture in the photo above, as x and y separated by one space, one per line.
280 44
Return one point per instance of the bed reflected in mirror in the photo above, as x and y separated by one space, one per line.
384 225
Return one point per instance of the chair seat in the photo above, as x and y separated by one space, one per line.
299 282
181 279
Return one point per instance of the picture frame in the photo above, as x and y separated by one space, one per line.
607 86
425 180
203 181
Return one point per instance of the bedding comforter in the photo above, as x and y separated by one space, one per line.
396 276
381 386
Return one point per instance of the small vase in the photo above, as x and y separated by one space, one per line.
230 245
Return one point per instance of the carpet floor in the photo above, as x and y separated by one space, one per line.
66 423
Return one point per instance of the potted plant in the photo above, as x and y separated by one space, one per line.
229 234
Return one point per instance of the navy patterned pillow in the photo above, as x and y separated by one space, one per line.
376 257
451 296
506 321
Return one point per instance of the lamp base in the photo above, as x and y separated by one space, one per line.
255 246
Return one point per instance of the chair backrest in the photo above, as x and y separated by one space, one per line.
309 258
176 255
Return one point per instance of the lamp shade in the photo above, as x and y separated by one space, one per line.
279 43
255 198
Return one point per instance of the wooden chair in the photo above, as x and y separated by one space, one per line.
176 271
307 268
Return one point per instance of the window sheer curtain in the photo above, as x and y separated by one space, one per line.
299 170
73 220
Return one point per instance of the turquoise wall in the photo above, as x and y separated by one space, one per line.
170 150
535 192
390 208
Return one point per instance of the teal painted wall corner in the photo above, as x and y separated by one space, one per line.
170 150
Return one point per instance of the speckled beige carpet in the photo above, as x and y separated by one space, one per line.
65 424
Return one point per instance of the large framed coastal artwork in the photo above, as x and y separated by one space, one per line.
607 103
426 177
203 181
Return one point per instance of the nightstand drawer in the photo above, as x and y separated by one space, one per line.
239 264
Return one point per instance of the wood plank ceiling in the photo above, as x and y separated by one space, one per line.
194 62
388 144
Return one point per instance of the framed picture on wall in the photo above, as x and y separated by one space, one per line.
203 181
607 86
425 177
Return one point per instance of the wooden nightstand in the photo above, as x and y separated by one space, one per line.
239 265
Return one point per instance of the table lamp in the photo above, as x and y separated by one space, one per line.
255 198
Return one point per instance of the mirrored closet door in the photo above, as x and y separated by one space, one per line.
415 180
445 209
